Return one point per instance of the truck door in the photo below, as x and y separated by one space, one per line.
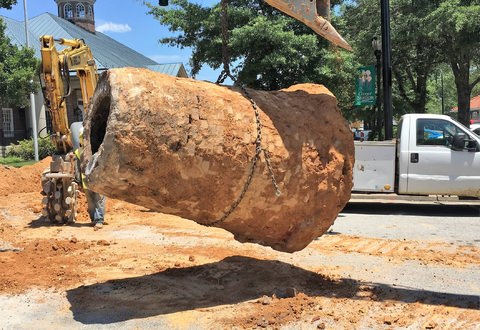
434 168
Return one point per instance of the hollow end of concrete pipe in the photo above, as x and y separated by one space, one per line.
98 118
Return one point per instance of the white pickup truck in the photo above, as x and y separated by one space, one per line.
432 155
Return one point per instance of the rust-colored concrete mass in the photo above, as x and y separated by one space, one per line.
184 147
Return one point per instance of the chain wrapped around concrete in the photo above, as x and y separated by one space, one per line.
184 147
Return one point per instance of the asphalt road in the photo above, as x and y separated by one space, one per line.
457 223
445 226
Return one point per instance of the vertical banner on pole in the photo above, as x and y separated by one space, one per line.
365 86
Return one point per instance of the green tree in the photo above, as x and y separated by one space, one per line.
476 88
454 23
17 68
425 34
441 87
417 53
414 52
269 49
7 4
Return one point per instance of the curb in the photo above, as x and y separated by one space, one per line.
394 198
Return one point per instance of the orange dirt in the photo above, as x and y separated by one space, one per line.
150 265
24 179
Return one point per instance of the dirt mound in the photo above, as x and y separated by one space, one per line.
42 263
24 179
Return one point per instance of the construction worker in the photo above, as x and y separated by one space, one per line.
96 201
96 208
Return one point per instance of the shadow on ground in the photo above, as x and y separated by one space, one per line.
427 210
45 222
229 281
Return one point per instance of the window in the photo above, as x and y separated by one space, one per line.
90 11
436 132
80 10
7 120
475 115
68 10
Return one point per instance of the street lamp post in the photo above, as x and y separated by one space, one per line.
32 96
387 69
377 50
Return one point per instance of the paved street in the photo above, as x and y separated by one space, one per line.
453 222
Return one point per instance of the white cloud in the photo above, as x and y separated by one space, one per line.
168 59
113 27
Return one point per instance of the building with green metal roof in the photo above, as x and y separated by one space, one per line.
78 24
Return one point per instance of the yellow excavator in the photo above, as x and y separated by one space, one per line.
58 182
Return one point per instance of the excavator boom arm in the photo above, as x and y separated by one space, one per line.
59 182
56 67
54 92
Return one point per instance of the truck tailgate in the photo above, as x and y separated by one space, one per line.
374 169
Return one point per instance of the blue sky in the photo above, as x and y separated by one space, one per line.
127 22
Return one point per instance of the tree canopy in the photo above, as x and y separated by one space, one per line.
268 49
17 68
455 26
271 50
414 53
7 4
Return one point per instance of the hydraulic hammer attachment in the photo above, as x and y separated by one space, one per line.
313 13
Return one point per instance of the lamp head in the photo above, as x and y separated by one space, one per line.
376 44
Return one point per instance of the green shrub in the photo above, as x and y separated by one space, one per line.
24 149
45 148
10 160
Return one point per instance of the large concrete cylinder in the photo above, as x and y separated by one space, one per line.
185 147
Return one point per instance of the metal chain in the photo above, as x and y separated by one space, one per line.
258 142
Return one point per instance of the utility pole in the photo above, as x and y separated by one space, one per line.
32 96
387 69
443 98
